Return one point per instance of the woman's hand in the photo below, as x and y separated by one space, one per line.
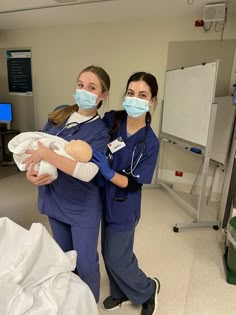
41 180
35 156
101 161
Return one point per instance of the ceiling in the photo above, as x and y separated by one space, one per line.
15 14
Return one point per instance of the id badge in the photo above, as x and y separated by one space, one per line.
116 145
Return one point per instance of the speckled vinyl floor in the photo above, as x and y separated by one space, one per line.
188 264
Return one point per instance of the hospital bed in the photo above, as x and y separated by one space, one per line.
36 276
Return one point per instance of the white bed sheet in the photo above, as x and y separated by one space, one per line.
36 275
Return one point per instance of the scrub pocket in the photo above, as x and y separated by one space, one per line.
120 195
123 208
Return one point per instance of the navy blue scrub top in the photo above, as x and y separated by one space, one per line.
68 199
122 208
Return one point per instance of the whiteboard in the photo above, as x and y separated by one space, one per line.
188 97
225 117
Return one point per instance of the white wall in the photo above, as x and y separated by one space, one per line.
59 53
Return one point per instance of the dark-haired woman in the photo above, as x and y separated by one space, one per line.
129 164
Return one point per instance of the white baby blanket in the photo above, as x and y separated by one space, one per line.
29 141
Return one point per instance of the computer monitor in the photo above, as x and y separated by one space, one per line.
5 115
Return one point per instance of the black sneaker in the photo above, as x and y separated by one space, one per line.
150 307
110 304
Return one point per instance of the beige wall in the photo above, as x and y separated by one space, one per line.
191 53
59 53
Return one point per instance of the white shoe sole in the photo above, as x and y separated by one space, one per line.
158 286
117 307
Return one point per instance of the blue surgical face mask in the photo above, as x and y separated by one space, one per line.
135 107
85 99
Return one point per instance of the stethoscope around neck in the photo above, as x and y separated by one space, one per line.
76 125
133 165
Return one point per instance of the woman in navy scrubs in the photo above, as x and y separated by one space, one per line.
72 202
129 164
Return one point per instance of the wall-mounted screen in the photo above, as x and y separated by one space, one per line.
5 112
19 71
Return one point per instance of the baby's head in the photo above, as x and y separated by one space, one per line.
79 150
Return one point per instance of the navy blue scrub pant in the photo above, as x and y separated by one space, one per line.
84 240
125 277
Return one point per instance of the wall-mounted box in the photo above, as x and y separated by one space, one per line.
214 12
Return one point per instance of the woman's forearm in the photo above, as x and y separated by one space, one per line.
64 164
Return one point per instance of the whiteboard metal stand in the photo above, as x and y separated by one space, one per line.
225 209
159 133
198 222
212 183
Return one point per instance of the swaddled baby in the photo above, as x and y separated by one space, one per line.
77 150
